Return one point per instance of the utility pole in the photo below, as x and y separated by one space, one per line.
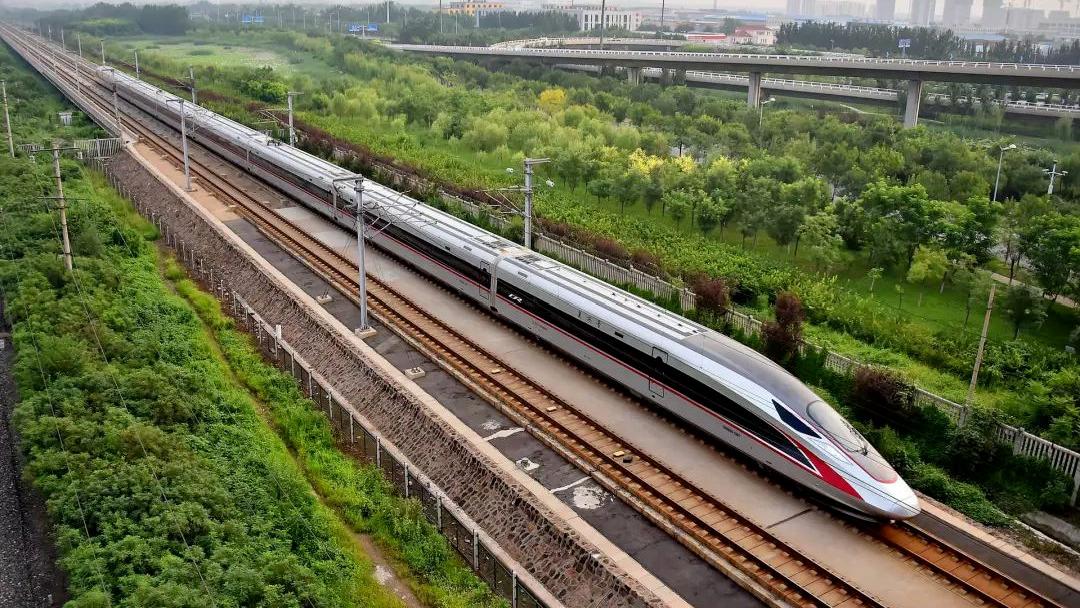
7 119
529 163
387 12
63 45
62 204
1053 173
1001 157
137 75
440 17
183 139
982 345
662 3
103 52
78 65
191 74
292 131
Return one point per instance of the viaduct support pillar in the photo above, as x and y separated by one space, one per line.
914 97
633 75
753 95
679 77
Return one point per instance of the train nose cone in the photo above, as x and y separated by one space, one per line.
904 502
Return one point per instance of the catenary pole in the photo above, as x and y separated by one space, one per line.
62 205
982 345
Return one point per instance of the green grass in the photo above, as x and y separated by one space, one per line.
358 494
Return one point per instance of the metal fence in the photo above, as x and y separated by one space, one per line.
357 435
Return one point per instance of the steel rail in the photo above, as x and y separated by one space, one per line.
725 532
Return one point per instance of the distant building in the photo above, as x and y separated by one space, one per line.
922 12
957 12
885 10
809 7
993 14
1019 18
794 8
842 8
707 37
588 16
758 36
471 8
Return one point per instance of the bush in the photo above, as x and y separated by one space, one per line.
882 395
783 336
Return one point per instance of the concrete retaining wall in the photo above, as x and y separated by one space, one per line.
530 532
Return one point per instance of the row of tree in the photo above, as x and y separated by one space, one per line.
927 43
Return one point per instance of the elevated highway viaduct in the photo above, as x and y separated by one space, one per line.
914 71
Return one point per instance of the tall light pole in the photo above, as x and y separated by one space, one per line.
662 3
1001 157
137 75
761 109
7 119
103 52
191 75
1053 173
183 140
292 131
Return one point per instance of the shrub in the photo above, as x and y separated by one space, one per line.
783 336
713 296
882 395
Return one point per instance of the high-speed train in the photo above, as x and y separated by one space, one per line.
723 388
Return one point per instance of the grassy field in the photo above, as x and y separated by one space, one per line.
223 51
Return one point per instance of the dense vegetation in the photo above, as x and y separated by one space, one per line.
103 19
163 484
884 233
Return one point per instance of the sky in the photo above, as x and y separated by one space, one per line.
902 6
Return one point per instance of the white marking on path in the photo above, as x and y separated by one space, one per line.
571 485
590 497
503 433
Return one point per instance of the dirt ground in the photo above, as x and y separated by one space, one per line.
29 577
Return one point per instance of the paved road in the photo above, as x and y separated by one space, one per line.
1064 301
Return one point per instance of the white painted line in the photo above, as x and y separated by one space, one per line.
571 485
504 433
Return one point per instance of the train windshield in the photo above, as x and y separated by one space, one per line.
851 441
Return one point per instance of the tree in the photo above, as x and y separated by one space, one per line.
1052 243
552 100
975 285
820 241
600 187
1024 307
711 212
929 264
873 274
679 203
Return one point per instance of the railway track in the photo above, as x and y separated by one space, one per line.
718 534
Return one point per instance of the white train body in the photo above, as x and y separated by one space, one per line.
723 388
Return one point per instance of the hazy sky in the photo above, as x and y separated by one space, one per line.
902 6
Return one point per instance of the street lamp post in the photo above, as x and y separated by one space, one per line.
1001 157
183 140
603 10
761 109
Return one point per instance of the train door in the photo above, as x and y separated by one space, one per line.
485 290
660 358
